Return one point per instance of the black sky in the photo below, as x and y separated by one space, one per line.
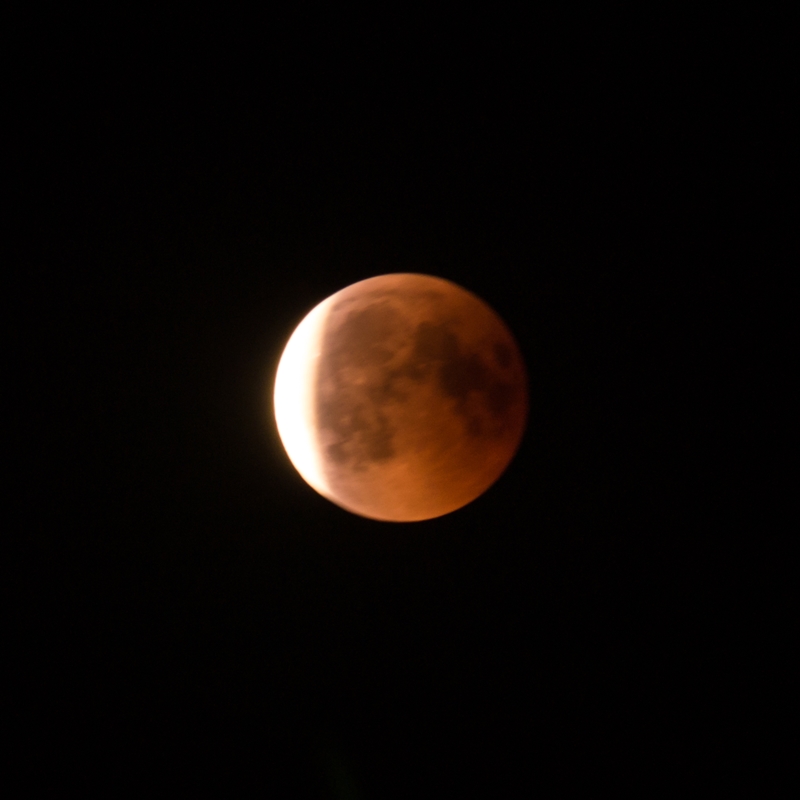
180 603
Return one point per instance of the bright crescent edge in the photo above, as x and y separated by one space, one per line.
294 396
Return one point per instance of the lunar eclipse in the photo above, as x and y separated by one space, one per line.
401 398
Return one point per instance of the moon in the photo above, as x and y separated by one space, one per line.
401 398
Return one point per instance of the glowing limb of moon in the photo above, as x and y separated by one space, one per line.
294 397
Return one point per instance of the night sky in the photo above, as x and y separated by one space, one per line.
182 611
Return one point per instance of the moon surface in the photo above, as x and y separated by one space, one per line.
401 398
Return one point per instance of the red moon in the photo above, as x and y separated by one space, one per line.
401 398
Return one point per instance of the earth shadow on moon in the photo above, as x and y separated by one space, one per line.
420 397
